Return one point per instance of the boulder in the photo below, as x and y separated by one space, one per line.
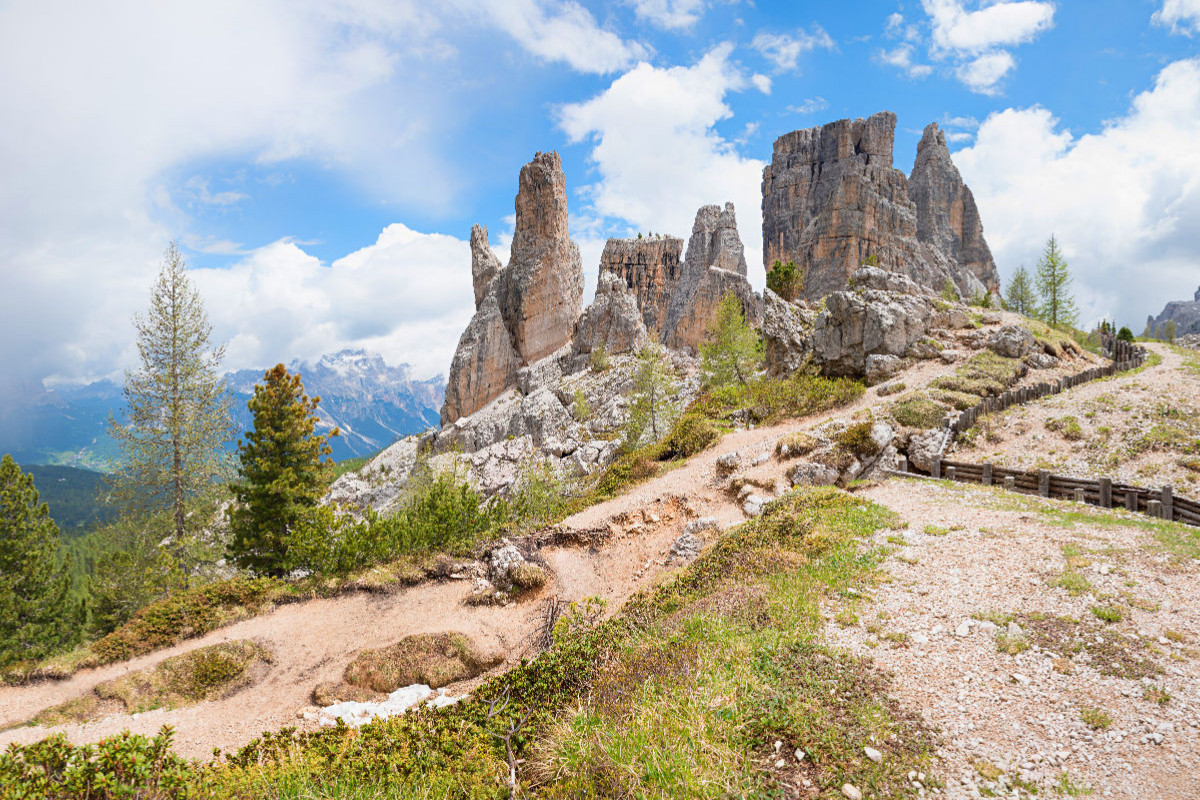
686 548
650 268
856 324
613 320
1012 341
809 473
787 332
715 264
924 446
881 367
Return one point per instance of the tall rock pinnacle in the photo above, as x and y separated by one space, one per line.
526 310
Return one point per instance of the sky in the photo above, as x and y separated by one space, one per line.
321 162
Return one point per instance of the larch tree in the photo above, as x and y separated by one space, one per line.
178 419
283 471
1054 287
1020 296
733 350
36 616
653 405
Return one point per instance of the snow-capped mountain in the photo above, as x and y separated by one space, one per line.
371 402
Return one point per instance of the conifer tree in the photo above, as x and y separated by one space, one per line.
35 617
1020 297
653 402
1054 286
733 350
282 473
173 444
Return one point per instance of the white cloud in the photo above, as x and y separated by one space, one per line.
903 57
658 155
994 25
669 14
809 106
1181 16
982 74
564 32
761 82
784 50
1121 201
407 296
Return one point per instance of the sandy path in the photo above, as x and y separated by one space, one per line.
315 640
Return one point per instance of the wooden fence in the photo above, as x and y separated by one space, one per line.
1103 492
1125 356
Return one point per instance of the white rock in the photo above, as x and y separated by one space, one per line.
1014 629
1021 679
873 754
851 792
963 629
986 627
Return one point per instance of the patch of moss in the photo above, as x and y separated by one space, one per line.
984 375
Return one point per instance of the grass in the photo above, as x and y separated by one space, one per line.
1066 786
1111 653
918 411
1156 694
682 694
434 659
1108 614
984 375
1011 645
1095 718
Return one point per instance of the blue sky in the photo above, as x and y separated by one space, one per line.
322 163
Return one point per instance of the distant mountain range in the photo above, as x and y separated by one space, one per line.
372 404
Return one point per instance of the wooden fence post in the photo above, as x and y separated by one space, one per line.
1131 501
935 467
1168 503
987 474
1106 492
1154 508
1080 497
951 473
1044 482
1010 483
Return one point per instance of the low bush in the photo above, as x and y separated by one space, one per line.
434 659
918 411
690 434
984 375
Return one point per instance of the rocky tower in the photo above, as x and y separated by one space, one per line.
526 310
650 268
540 292
947 217
715 264
831 199
1185 314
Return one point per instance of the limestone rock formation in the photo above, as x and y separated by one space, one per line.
484 263
715 264
787 333
947 217
1185 314
613 320
831 200
651 268
540 292
526 310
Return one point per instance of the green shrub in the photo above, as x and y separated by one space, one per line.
857 439
690 434
599 359
443 512
918 411
785 280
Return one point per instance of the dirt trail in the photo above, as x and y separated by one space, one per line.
315 640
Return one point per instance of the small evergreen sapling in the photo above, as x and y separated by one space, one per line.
734 350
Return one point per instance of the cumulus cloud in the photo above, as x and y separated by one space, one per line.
669 14
974 44
564 32
784 49
1181 16
809 106
658 155
1124 198
407 296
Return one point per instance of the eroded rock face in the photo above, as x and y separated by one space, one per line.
540 292
831 200
613 320
527 310
1185 314
715 264
947 216
787 333
651 269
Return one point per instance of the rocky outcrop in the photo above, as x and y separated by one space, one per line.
526 310
864 322
787 333
650 268
613 320
714 265
831 201
1185 314
947 217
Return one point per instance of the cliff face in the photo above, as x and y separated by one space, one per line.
526 310
715 264
831 200
947 217
1184 313
651 269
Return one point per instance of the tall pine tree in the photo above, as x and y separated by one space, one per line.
1058 307
173 443
1019 296
282 473
35 615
